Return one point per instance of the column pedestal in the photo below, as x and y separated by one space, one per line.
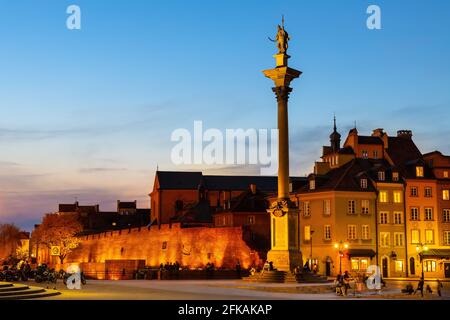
285 252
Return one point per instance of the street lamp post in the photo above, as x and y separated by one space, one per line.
311 242
421 248
341 246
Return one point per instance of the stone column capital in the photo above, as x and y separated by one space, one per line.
282 93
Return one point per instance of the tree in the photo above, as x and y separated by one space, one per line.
9 240
59 230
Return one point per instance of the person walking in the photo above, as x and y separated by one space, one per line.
439 287
420 286
238 269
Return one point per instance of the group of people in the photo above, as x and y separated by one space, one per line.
343 283
170 266
308 268
421 286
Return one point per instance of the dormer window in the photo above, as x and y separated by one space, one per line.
312 184
395 176
419 171
381 176
363 183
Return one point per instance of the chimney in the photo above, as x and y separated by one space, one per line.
118 205
382 135
253 188
378 133
407 134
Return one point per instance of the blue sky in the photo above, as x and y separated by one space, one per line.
88 113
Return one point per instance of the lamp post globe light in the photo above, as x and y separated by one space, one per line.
341 246
421 248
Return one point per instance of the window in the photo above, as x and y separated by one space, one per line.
307 235
429 266
251 220
351 232
395 176
445 194
384 239
359 264
398 217
355 264
428 214
365 204
327 207
397 197
375 154
363 264
447 238
445 174
398 265
381 175
415 236
429 236
399 239
220 221
327 232
419 172
178 205
312 184
446 215
428 192
414 192
363 183
164 245
383 196
414 214
351 207
364 154
307 209
384 217
365 232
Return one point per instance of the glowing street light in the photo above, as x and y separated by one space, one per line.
341 246
421 248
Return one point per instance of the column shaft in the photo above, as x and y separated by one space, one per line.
282 94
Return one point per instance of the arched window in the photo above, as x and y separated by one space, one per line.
178 205
412 266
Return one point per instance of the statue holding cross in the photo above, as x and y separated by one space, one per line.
282 38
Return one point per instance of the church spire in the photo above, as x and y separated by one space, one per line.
335 137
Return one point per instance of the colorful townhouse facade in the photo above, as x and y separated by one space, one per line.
377 193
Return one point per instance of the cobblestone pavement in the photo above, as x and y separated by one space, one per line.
226 290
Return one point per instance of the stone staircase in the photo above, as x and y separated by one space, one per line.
10 291
277 276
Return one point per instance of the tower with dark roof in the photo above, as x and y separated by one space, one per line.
335 138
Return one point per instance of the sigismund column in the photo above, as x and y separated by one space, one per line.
285 249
